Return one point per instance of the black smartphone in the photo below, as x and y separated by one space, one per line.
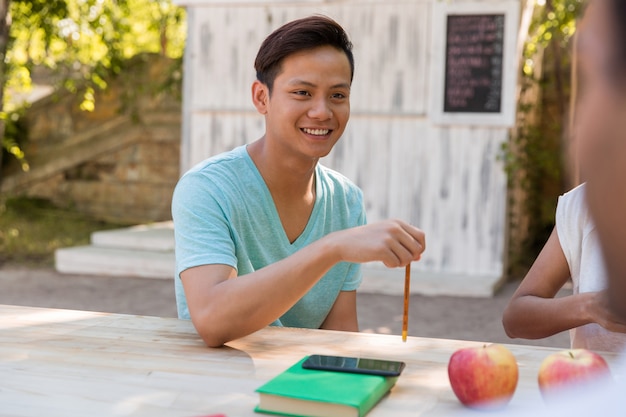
354 365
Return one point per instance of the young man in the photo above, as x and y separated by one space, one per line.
265 234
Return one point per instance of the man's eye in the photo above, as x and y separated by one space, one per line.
339 96
302 93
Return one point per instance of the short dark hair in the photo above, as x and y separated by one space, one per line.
295 36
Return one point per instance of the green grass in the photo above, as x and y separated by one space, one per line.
32 229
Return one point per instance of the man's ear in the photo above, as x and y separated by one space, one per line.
260 96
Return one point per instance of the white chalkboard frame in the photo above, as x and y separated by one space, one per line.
441 10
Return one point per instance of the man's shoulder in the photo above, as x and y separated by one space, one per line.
220 161
214 175
340 187
331 176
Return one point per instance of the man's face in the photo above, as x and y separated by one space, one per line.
310 103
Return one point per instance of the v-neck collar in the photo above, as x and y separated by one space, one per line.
299 241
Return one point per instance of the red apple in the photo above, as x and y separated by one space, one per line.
571 366
483 377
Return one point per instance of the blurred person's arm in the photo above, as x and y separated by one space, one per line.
535 313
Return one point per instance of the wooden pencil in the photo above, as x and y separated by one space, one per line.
405 315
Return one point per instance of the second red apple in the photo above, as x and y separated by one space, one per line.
572 366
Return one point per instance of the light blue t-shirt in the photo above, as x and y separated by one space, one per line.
224 214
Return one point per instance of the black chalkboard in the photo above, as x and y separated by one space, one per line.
473 71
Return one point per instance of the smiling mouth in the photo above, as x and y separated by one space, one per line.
316 132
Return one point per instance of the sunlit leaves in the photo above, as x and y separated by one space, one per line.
9 120
83 43
89 100
90 39
554 21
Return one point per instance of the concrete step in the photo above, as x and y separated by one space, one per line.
96 260
150 237
145 251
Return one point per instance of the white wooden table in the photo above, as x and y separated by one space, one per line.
76 363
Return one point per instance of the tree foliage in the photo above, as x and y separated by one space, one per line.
554 24
82 44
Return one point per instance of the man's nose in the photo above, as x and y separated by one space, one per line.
321 110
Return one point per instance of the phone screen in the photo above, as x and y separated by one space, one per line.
354 365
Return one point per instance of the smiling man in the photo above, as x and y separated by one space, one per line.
264 233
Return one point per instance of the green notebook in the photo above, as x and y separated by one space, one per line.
312 393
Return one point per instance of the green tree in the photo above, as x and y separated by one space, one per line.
81 43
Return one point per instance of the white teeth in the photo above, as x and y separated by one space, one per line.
316 132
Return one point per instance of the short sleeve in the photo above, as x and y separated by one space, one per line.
570 218
354 277
201 227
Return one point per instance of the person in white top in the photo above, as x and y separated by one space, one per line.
572 251
582 249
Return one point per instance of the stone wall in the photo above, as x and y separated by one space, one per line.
118 163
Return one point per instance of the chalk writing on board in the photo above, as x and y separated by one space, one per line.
473 71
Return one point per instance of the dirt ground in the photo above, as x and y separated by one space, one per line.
439 317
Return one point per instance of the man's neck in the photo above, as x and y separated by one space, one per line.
284 176
291 183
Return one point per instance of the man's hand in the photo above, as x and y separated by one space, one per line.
392 242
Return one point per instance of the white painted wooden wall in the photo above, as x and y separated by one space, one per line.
448 180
